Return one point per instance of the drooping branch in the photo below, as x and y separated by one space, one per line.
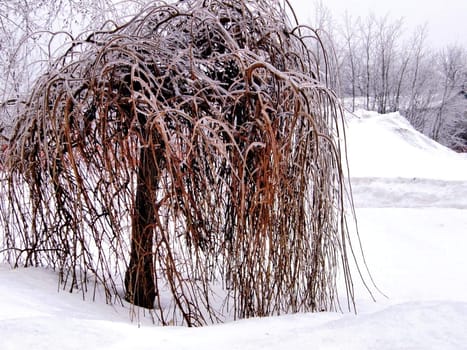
192 148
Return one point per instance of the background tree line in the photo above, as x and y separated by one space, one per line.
385 67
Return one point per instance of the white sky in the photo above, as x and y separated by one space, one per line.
446 19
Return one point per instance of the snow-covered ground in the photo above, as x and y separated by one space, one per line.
411 204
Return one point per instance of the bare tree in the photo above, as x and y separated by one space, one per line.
351 63
417 48
26 30
193 146
402 62
452 67
34 33
387 34
368 40
324 47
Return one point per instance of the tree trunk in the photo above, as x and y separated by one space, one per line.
139 278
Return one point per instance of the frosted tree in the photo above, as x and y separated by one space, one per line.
192 150
452 67
32 33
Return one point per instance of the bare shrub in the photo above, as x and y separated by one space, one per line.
191 148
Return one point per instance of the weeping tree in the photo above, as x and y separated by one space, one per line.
189 157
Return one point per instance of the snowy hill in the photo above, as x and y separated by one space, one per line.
411 199
392 164
387 146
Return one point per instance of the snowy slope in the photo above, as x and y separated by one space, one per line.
410 195
392 164
387 146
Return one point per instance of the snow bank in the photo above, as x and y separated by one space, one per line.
387 146
374 192
64 321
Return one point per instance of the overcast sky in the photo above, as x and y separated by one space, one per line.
446 19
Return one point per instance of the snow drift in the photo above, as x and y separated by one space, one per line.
392 164
387 146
